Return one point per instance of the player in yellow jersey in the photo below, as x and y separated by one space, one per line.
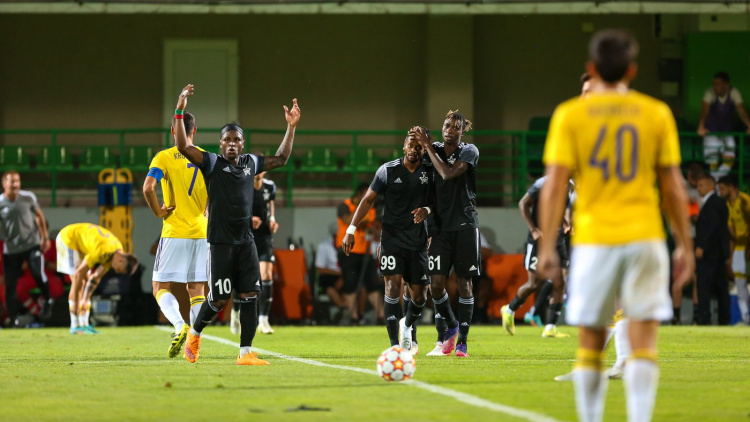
739 218
83 247
182 252
616 144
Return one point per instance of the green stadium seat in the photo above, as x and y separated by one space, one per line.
363 159
138 158
96 158
49 157
319 159
13 158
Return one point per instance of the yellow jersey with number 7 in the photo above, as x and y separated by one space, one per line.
614 143
183 187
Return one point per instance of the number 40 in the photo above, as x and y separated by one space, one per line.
620 139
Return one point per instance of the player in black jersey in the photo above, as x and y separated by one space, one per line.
233 258
528 207
407 185
264 227
456 241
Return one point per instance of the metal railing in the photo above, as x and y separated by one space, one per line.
72 158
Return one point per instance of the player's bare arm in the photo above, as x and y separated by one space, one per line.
285 149
184 145
525 205
93 282
705 108
672 190
272 224
445 170
41 226
552 199
149 193
743 116
362 209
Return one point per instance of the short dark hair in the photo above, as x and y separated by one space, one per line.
729 180
9 173
455 115
612 51
426 131
230 127
188 120
708 177
696 171
724 76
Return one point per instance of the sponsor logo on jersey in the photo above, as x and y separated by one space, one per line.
424 178
398 180
424 277
227 169
473 268
391 318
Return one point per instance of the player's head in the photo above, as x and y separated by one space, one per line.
188 120
11 182
124 263
694 173
728 186
359 192
412 148
454 126
232 141
585 84
612 55
721 83
706 184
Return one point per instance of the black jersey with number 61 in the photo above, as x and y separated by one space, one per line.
230 197
404 191
456 199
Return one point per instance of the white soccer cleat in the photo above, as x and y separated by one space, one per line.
438 350
614 373
265 327
566 377
404 335
414 348
234 322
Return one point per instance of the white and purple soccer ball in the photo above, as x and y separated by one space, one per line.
396 364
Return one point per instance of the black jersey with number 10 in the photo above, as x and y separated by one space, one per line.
456 199
230 197
404 192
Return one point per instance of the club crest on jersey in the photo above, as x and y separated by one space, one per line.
248 171
424 178
451 160
266 195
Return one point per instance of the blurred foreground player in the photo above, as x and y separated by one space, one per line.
620 143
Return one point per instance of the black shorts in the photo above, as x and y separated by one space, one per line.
232 267
531 258
455 250
411 265
358 269
327 280
264 244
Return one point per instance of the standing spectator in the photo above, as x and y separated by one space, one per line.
717 115
712 253
329 272
23 228
738 204
358 266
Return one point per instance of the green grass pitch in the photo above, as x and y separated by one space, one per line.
123 374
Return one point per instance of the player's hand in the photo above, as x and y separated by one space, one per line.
257 222
45 245
698 253
182 99
293 115
165 211
348 243
702 131
420 214
273 226
683 266
416 133
549 263
536 234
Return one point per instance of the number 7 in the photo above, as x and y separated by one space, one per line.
192 182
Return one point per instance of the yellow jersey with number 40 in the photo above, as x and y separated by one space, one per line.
183 187
614 143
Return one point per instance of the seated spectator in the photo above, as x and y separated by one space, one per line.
717 115
329 272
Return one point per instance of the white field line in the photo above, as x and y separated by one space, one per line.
457 395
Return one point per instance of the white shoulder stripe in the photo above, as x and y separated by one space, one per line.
393 163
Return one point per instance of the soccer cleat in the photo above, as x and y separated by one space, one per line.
551 332
451 334
265 327
509 322
234 322
89 330
46 310
251 359
438 350
614 373
404 334
415 348
461 351
564 378
178 340
76 330
533 320
192 347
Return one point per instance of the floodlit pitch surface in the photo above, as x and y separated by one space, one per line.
326 373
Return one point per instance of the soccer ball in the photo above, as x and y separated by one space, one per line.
396 364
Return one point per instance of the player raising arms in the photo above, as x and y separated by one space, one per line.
233 258
618 143
456 243
264 227
182 252
83 247
407 186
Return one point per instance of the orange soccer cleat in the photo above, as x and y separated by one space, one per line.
192 347
251 359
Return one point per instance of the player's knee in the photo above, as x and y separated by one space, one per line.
219 303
